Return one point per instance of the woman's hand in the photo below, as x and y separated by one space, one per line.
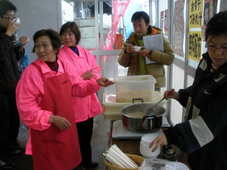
159 142
60 122
167 94
88 75
104 82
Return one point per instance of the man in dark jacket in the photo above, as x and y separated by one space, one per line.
10 53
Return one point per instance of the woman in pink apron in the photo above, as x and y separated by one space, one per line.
85 108
44 102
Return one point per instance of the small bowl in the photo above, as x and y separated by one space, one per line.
137 48
137 159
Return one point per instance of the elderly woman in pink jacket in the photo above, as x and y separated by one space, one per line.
43 97
87 107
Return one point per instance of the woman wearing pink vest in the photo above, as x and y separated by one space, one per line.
87 107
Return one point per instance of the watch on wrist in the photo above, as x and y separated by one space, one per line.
150 52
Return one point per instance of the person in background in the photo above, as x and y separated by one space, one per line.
87 107
22 63
203 133
135 61
43 97
10 53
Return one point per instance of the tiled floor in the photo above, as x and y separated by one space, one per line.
99 144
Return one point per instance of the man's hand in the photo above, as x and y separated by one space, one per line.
11 29
144 52
23 40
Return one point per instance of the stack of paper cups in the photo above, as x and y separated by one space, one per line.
145 142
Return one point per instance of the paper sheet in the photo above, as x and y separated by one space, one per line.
153 42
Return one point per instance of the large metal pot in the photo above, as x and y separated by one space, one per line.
143 124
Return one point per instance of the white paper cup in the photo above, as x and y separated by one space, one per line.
16 21
137 48
144 145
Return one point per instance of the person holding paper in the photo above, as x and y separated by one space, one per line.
149 59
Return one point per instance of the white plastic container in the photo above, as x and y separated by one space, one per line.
145 142
129 87
112 109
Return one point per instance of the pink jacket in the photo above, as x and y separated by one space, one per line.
86 107
29 94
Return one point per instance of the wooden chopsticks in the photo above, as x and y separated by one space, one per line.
117 157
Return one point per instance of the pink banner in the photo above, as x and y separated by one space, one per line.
119 7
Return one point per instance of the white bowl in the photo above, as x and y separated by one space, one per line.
145 142
137 48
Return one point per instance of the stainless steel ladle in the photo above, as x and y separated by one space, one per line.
150 111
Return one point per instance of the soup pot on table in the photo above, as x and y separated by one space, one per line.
134 117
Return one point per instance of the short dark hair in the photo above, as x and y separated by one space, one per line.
53 35
6 6
217 25
141 15
74 28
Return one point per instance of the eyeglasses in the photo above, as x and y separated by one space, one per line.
214 48
9 18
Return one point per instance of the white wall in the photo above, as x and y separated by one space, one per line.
36 15
223 5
